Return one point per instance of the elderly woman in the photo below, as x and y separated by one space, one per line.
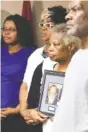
60 49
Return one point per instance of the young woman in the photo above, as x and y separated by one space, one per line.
15 49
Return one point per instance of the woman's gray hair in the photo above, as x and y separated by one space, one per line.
68 39
59 28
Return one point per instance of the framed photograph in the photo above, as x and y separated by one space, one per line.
50 91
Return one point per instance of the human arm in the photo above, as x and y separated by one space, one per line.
29 115
28 77
25 87
35 117
32 112
24 111
9 110
23 97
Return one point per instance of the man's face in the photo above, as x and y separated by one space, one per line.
77 18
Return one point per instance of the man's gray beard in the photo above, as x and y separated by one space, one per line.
69 32
79 33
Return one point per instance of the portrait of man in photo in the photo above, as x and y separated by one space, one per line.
53 94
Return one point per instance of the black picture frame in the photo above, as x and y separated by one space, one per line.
50 79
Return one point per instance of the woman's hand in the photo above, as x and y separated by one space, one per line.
33 116
9 110
2 114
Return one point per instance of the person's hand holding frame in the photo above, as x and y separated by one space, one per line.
54 80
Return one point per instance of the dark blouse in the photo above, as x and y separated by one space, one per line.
34 95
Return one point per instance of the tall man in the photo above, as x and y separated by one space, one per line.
72 113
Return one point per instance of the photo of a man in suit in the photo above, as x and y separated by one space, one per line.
53 94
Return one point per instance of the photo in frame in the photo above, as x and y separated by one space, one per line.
50 91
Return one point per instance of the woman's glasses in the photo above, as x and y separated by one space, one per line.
10 30
46 25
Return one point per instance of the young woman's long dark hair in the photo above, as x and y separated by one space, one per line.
25 37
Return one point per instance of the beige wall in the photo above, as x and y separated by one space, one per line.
13 7
55 3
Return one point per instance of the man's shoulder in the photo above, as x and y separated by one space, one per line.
79 62
81 53
76 55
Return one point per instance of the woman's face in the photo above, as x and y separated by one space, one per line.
9 32
45 26
57 49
